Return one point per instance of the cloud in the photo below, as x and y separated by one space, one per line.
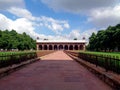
20 25
99 13
70 36
5 4
50 23
56 26
25 25
21 12
74 34
105 17
66 25
80 34
4 22
28 23
88 33
76 6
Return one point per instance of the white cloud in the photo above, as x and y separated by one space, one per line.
70 36
74 34
25 25
4 22
66 25
100 13
5 4
55 25
21 12
76 6
80 34
26 22
52 24
104 17
20 25
88 33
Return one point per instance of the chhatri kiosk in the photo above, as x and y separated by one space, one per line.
60 44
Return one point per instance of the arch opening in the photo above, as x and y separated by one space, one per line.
55 47
50 47
71 47
45 47
66 47
40 47
76 47
81 47
60 47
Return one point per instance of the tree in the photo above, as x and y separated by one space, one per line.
12 40
105 40
92 41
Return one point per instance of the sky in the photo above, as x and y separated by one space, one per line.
59 19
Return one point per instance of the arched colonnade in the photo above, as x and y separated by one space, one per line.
61 46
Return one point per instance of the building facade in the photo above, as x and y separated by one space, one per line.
60 44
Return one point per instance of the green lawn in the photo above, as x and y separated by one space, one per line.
113 54
10 58
14 52
108 60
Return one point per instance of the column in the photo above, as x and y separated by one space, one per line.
37 46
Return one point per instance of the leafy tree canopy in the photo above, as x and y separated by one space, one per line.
105 40
12 40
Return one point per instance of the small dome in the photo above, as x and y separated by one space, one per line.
83 38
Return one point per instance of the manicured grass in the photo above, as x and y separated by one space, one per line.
113 54
10 58
15 52
108 60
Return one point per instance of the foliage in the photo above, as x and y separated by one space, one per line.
12 40
106 60
112 54
10 58
105 40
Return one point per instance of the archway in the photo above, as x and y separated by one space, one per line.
81 47
40 47
60 47
55 47
50 47
45 47
76 47
71 47
66 47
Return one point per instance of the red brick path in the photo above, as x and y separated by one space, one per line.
55 71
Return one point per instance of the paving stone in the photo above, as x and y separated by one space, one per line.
55 71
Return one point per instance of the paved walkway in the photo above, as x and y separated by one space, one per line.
55 71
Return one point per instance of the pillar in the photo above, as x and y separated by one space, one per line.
37 46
